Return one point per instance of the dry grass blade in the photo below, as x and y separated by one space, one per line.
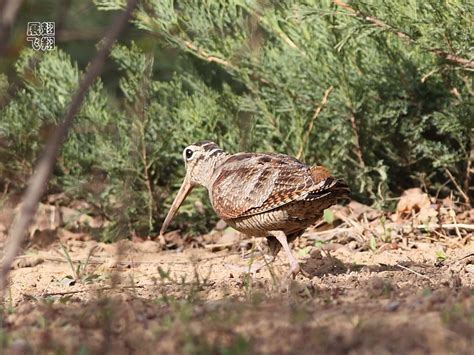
355 227
413 272
75 272
118 288
328 234
469 227
39 180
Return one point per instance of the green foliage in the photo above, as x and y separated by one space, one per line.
328 216
399 114
27 119
151 136
251 76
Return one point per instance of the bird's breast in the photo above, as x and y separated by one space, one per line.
293 217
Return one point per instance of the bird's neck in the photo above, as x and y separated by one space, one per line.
209 169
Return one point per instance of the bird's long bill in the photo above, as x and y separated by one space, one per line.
184 190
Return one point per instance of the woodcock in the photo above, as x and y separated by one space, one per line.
260 194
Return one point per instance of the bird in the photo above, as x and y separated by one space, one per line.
268 195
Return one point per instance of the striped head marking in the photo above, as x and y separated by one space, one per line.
200 159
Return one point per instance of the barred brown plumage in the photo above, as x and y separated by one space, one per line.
261 194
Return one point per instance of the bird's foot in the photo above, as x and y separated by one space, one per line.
296 269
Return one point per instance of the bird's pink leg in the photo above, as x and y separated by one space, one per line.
294 266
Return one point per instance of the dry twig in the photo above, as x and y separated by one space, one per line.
465 226
313 119
463 194
119 288
328 234
414 272
8 12
207 57
355 131
100 261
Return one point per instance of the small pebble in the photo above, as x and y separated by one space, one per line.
470 268
220 225
393 306
353 245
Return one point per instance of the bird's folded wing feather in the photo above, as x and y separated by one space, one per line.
248 184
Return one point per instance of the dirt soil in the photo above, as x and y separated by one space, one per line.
131 297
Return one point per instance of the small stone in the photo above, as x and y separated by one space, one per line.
148 246
199 206
68 281
229 236
469 268
111 264
220 225
379 287
353 245
20 346
376 283
28 261
393 306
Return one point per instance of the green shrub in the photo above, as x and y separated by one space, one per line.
251 75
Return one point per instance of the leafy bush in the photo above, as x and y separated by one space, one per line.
252 76
400 113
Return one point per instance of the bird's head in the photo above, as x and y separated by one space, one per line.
200 160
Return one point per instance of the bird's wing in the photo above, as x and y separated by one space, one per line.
248 184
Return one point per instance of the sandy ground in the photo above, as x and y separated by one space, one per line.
131 297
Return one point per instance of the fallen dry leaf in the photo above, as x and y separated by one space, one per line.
47 218
220 225
66 235
358 209
427 215
148 246
412 201
229 236
27 261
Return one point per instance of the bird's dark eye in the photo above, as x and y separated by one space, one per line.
188 153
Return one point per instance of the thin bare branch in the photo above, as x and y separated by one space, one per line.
413 272
468 172
8 12
207 57
313 119
355 132
328 234
464 226
463 194
40 178
120 288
